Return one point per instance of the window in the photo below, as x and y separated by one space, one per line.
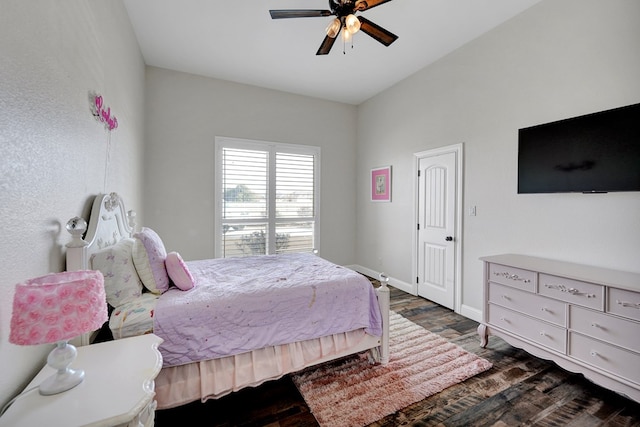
266 196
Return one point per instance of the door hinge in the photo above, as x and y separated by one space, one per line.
418 279
418 227
418 173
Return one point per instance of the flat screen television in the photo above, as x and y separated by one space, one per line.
594 153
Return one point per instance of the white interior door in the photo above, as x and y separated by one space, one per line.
437 220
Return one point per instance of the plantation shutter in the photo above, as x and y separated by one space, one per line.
267 196
294 202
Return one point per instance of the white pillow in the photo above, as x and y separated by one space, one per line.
148 257
121 281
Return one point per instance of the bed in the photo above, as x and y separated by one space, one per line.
226 324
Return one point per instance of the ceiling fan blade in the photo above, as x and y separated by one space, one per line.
377 32
298 13
368 4
326 45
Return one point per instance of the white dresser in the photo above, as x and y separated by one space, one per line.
586 319
118 389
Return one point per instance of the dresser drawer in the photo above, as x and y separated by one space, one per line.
605 356
624 303
534 305
543 333
511 276
605 327
573 291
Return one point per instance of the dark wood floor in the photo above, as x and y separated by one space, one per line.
520 390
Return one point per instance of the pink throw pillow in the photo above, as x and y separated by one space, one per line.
178 271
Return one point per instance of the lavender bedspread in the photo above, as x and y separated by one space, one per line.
243 304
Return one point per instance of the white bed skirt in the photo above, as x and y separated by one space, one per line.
215 378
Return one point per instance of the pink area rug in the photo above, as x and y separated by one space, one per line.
353 392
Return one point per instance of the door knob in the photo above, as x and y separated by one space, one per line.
448 238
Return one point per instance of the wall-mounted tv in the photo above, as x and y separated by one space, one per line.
594 153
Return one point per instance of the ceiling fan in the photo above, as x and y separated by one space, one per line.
345 20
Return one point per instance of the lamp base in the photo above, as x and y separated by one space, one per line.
64 379
61 381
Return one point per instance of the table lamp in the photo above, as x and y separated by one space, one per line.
53 309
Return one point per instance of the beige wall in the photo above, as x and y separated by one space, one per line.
556 60
52 150
184 115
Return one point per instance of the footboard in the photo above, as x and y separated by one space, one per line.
384 301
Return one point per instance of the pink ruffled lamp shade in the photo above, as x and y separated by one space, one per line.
53 309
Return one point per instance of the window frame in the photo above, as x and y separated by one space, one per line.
272 148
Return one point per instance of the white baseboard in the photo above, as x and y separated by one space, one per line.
398 284
465 310
471 313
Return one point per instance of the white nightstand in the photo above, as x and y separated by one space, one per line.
118 389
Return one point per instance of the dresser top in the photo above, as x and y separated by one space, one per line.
604 276
118 384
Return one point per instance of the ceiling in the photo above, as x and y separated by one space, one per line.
238 41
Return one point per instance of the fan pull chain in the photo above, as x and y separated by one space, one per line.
344 45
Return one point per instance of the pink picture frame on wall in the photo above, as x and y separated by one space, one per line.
381 184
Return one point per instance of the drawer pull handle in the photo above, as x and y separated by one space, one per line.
512 276
542 334
572 291
506 298
545 309
628 304
594 353
595 325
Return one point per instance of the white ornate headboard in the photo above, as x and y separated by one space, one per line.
108 224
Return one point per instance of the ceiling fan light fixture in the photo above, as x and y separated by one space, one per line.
352 23
344 21
346 36
334 28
